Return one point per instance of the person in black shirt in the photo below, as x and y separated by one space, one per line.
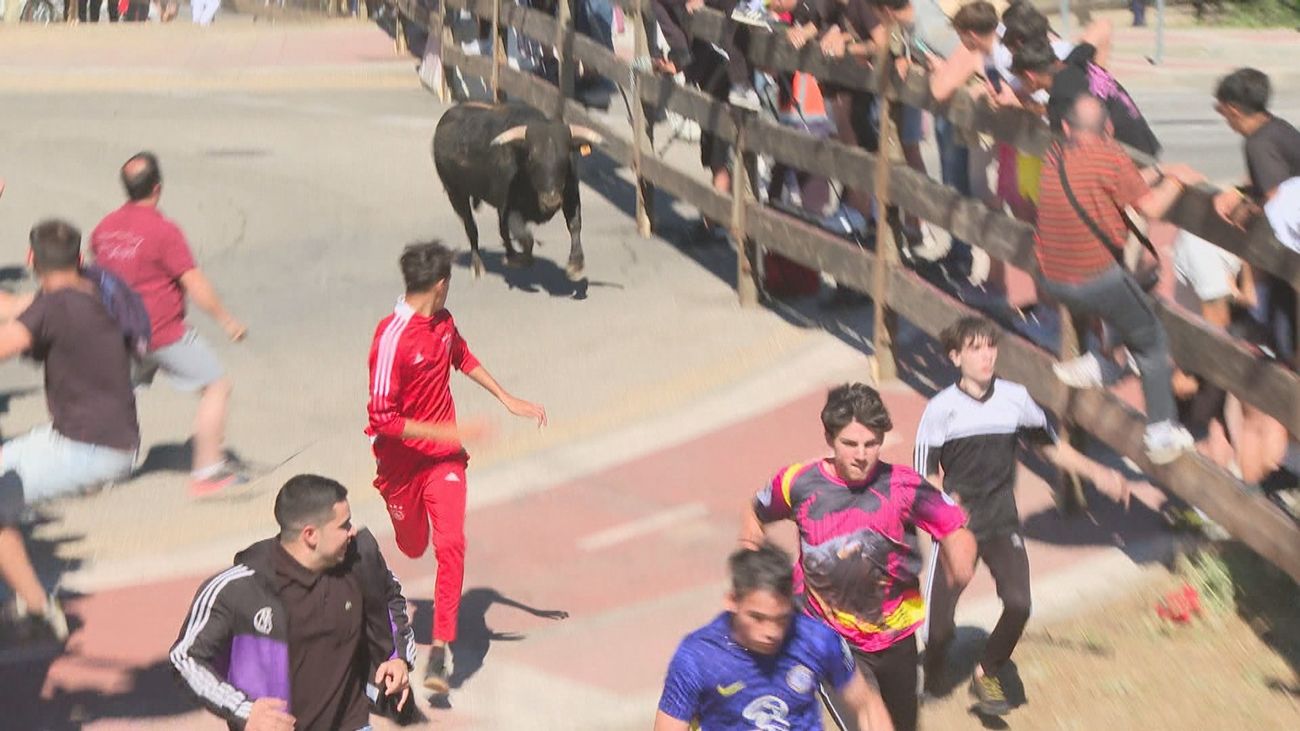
303 627
967 443
93 435
1272 150
1272 145
1039 68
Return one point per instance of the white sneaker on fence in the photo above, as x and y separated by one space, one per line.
744 98
1165 441
1081 372
750 15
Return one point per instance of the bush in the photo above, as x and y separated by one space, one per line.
1262 13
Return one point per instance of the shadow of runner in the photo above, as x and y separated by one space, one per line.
149 693
24 667
473 636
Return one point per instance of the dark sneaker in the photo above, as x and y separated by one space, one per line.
987 689
437 674
51 626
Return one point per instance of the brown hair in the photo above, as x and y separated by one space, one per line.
968 330
854 402
979 17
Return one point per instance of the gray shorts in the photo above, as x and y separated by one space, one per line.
43 464
190 364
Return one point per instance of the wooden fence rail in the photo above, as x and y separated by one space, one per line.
1203 350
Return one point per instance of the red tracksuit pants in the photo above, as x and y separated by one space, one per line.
433 498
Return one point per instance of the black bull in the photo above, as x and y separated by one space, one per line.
520 163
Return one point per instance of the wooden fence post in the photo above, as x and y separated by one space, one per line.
746 281
883 321
643 133
1070 499
498 51
563 42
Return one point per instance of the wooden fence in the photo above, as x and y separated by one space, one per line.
1197 347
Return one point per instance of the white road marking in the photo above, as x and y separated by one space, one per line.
642 526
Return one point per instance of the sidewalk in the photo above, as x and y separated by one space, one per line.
628 536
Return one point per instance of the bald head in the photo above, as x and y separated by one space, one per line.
141 176
1087 114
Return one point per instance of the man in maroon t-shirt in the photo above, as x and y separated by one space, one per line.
143 247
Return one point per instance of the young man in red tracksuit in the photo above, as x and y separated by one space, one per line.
417 444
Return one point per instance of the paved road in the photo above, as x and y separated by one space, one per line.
298 188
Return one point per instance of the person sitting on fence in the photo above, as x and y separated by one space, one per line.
1087 183
1272 149
843 28
718 70
670 17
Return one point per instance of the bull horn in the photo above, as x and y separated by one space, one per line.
514 134
585 134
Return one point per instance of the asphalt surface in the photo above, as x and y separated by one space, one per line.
298 185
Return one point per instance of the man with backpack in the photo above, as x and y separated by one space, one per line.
149 252
93 437
1087 183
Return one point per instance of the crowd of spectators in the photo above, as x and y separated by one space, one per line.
1093 256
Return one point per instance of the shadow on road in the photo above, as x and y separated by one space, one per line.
13 274
473 636
543 275
147 692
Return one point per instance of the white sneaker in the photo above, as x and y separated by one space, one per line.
1081 372
1165 441
744 98
751 16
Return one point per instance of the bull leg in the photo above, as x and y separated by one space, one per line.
461 205
503 226
519 230
573 219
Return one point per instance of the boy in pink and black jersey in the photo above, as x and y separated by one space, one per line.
419 457
859 560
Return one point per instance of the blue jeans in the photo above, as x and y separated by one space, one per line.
954 170
1116 298
595 18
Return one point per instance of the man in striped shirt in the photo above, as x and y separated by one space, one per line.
418 447
1078 244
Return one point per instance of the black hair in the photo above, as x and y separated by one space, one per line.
968 330
1246 89
1023 23
306 500
141 183
424 264
1035 55
767 568
56 246
854 402
978 17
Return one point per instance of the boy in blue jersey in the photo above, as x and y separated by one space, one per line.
760 665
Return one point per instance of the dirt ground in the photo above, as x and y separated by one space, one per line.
1121 667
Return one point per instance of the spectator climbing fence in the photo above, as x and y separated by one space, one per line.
1196 347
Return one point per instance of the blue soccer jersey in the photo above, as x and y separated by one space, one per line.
724 687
